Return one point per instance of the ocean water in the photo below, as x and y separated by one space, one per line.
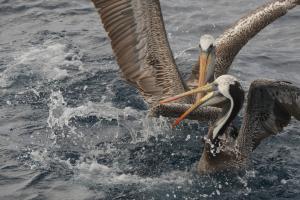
72 129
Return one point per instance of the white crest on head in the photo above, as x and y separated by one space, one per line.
224 82
206 41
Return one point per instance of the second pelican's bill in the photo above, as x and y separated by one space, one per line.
210 98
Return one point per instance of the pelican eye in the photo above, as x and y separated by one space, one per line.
210 48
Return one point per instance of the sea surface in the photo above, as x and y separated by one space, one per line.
72 129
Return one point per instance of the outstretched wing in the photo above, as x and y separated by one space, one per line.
141 47
271 104
232 40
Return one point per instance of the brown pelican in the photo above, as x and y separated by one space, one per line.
269 109
141 47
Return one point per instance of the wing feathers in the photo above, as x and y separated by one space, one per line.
271 104
237 36
139 41
233 39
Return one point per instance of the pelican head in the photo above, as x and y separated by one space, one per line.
206 59
225 90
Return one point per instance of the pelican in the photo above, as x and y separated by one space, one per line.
269 109
140 44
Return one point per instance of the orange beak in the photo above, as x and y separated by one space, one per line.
207 88
203 63
194 106
203 58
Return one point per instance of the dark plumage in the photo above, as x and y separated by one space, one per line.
270 106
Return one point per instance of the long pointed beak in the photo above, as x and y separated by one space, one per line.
203 63
206 88
205 60
194 106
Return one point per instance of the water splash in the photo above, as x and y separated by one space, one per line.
47 62
136 122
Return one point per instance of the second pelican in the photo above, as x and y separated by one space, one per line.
270 107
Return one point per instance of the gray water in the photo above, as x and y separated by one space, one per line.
71 129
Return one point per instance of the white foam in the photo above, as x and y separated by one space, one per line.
98 173
60 114
50 61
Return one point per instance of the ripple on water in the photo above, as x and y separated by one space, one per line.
72 129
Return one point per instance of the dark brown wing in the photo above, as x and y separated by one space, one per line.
271 104
141 47
232 40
